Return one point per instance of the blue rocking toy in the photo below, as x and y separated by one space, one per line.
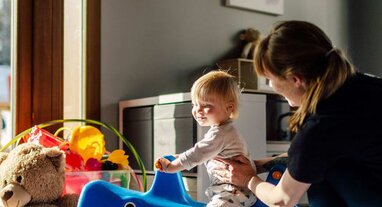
167 190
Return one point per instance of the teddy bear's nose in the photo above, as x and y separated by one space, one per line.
7 195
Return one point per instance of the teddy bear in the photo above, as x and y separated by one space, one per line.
32 175
251 37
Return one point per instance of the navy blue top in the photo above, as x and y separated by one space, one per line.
346 133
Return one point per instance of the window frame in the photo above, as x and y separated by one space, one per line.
39 62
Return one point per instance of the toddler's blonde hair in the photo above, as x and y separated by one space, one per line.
218 84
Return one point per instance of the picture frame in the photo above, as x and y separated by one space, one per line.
275 7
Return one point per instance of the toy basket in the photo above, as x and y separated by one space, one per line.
75 181
143 184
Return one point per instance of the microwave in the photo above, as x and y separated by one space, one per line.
278 113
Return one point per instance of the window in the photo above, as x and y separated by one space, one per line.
37 91
5 71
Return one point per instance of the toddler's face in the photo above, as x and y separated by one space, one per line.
210 112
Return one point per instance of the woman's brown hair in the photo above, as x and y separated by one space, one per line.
302 49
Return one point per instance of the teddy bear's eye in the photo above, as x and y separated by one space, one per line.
5 182
19 179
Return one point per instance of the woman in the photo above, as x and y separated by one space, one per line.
336 154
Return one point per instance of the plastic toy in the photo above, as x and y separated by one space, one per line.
88 141
167 190
45 138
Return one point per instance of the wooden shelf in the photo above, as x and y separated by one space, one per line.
260 91
247 78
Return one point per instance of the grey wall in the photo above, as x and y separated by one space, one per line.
152 47
365 27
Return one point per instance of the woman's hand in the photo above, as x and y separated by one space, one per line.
238 171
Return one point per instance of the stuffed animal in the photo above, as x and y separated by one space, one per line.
251 37
31 175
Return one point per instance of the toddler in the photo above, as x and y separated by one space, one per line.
215 99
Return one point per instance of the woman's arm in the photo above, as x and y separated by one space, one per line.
286 193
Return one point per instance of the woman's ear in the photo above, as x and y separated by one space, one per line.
297 81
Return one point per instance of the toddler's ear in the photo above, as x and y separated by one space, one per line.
230 107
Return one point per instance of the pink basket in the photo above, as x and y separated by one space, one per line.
75 181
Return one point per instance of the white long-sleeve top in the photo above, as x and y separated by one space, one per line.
220 141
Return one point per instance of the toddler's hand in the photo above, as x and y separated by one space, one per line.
162 164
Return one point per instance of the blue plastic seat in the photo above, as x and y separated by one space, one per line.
167 190
273 177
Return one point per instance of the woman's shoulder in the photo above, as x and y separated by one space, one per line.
365 81
364 88
355 92
314 127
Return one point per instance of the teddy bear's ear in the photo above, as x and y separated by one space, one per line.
56 156
3 156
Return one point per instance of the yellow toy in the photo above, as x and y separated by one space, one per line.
88 141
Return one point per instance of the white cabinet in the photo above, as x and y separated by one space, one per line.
174 130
